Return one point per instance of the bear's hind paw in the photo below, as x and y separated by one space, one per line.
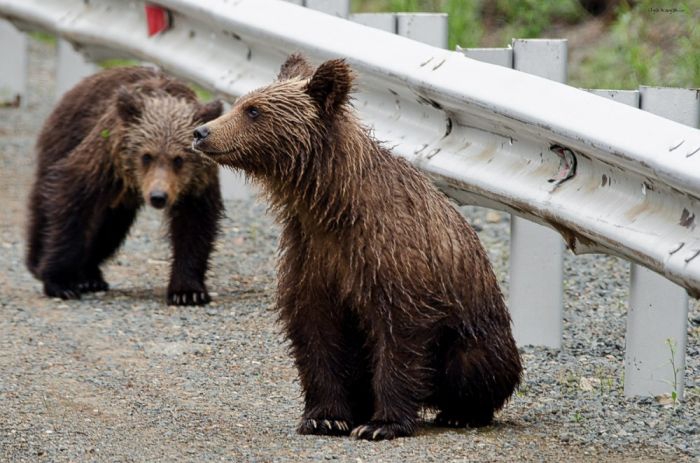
382 430
188 298
324 427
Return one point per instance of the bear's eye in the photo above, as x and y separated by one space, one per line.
253 112
146 159
177 162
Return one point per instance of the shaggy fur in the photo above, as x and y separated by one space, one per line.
118 139
385 292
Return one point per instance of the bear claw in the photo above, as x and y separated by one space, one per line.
324 427
449 421
188 298
382 430
63 291
93 286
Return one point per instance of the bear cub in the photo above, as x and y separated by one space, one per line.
384 290
117 140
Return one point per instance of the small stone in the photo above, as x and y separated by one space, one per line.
588 384
665 399
493 217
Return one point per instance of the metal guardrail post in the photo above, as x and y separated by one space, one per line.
382 21
429 28
658 308
656 335
71 67
340 8
13 56
536 252
500 56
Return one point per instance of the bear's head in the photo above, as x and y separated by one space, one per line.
280 129
158 116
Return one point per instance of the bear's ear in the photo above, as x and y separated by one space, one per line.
209 112
129 105
295 66
330 85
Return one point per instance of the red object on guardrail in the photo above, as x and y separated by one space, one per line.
158 19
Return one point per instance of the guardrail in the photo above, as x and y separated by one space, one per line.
607 177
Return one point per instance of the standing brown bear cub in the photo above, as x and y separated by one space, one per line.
118 139
385 292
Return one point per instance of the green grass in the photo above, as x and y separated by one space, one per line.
43 37
117 63
647 47
203 94
525 19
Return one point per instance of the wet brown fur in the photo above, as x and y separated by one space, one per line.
385 292
92 178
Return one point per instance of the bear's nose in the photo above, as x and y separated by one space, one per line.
201 132
159 199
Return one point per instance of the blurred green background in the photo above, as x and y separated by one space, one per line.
631 43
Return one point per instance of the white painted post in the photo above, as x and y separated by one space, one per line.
71 67
234 185
430 28
500 56
382 21
657 317
13 59
536 252
628 97
339 8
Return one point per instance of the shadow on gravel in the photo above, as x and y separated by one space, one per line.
427 428
136 295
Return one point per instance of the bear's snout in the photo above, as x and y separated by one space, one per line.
200 133
158 199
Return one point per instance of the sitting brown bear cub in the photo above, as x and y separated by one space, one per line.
118 139
385 291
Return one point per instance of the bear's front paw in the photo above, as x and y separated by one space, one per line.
382 430
325 427
188 297
62 290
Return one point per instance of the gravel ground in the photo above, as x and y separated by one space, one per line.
120 376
